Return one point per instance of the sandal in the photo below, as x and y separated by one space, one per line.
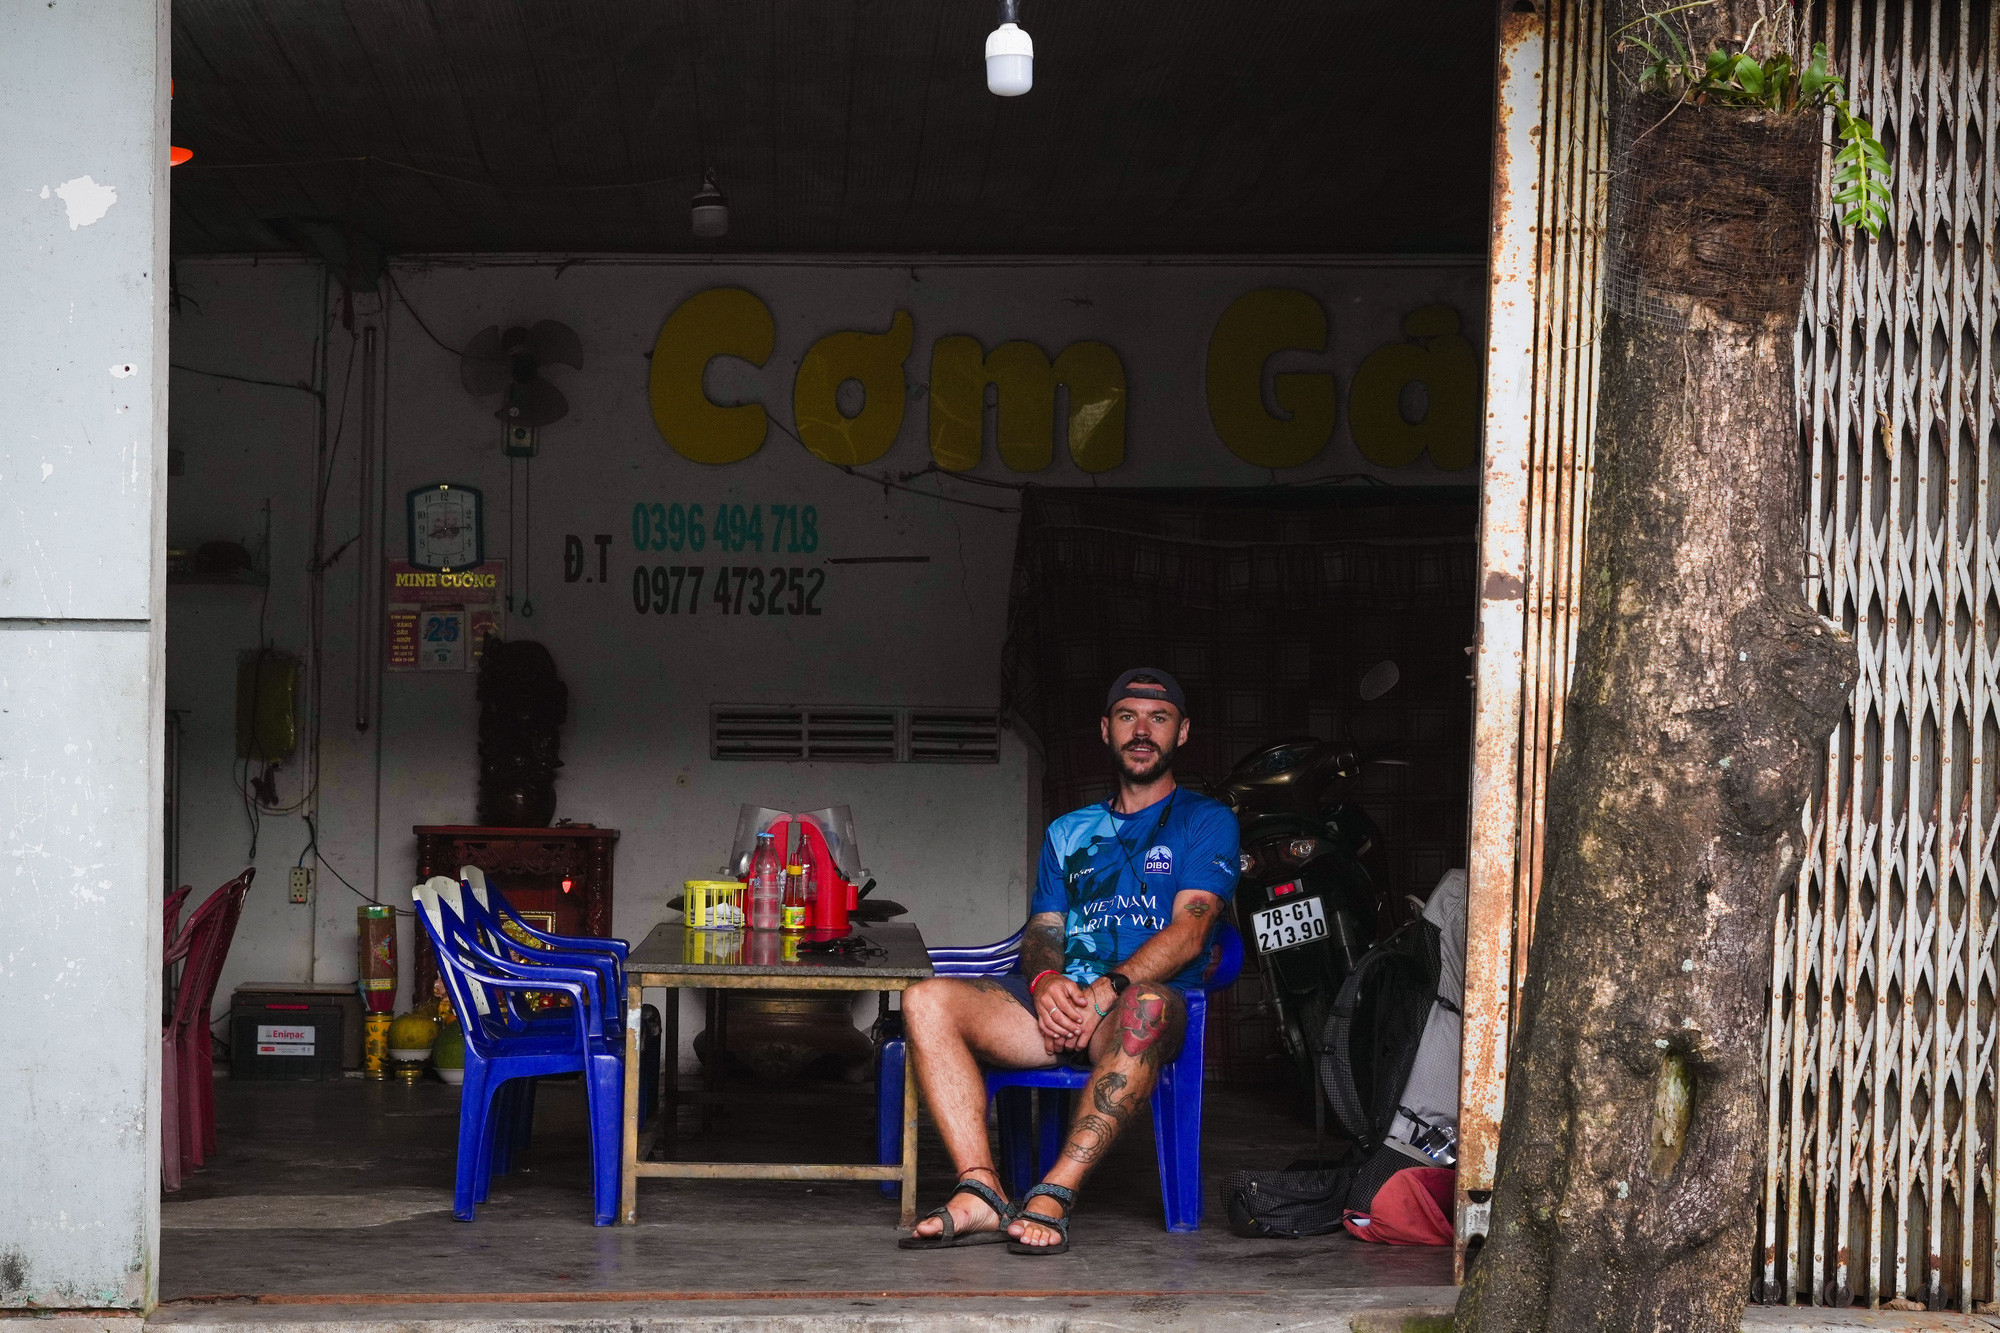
950 1238
1059 1225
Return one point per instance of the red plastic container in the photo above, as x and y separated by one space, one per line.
835 897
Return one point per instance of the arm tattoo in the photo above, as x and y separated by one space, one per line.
1090 1137
1199 908
1042 945
1104 1094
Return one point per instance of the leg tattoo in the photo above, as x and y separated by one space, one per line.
1104 1094
1090 1137
1149 1024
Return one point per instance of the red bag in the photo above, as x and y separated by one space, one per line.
1414 1208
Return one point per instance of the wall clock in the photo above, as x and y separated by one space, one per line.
447 527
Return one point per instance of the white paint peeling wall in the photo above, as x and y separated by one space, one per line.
83 93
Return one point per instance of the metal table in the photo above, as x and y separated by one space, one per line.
673 956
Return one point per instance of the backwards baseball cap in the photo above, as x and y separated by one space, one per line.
1146 683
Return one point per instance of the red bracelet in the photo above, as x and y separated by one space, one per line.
1047 971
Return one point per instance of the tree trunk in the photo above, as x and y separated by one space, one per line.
1704 689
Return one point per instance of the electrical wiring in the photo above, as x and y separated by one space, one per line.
256 808
895 485
300 387
312 849
251 809
928 495
397 288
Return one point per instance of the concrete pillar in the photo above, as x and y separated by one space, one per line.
83 379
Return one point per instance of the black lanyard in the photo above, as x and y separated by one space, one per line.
1137 878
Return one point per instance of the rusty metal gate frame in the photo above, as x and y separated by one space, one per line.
1879 1185
1544 284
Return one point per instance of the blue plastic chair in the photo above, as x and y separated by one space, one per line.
488 909
1176 1098
504 1045
498 927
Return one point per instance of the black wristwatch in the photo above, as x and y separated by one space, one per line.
1119 981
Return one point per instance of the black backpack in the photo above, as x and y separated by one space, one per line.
1369 1047
1375 1028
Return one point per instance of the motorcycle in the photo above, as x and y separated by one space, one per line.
1315 893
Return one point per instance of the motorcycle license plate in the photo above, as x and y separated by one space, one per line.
1288 925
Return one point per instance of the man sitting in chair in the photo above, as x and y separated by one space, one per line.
1127 895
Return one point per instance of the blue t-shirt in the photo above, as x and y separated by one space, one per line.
1113 877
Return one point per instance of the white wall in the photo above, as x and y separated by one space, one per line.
83 227
954 843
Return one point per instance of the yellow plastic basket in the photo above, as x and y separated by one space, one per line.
713 904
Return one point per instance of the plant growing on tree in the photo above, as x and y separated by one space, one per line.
1739 78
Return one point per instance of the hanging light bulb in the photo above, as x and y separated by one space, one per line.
1010 54
711 209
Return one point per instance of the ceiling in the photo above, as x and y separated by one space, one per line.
863 126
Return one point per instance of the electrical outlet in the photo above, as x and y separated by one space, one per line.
302 884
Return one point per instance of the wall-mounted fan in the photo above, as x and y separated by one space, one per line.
510 363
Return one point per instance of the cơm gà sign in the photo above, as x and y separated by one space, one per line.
1270 420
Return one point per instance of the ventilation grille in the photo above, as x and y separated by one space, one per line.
941 736
854 735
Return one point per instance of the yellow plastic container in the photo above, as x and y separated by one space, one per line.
713 904
375 1045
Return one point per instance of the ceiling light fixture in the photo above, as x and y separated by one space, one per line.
1010 54
711 209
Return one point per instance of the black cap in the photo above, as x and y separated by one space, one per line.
1146 683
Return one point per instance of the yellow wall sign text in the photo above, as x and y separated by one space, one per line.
1287 431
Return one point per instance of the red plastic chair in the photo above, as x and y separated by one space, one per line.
204 1030
187 1070
170 1121
171 912
187 946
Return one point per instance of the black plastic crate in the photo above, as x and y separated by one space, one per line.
279 1040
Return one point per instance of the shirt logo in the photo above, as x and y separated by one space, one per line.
1160 860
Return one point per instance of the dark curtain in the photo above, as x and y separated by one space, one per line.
1267 606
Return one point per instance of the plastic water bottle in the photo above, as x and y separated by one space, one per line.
767 885
808 874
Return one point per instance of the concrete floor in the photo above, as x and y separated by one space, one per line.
334 1198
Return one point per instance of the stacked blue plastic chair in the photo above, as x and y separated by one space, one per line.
1176 1099
491 919
497 916
494 920
504 1043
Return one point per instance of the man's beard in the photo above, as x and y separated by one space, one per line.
1162 762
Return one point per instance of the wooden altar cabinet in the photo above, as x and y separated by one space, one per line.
529 865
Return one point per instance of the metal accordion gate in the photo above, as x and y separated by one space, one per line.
1879 1178
1879 1175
